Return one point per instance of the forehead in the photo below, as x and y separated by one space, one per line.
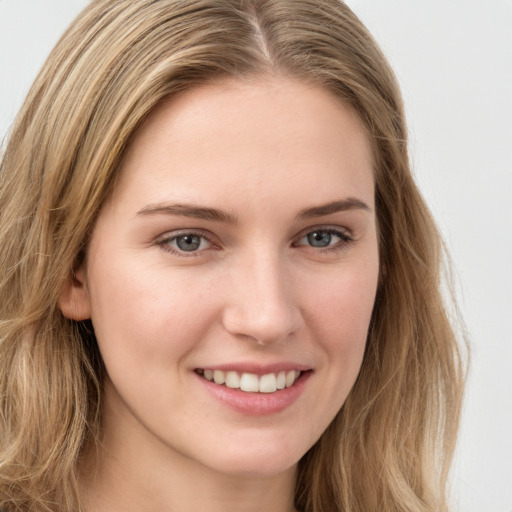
250 138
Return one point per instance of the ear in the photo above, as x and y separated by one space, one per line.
74 299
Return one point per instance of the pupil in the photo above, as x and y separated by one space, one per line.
188 242
319 239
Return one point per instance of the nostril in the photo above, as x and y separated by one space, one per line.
263 324
261 305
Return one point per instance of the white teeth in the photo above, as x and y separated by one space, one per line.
219 377
281 380
232 380
250 382
290 378
268 383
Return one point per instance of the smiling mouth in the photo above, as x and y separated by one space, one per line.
250 382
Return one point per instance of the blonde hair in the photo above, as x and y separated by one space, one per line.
390 446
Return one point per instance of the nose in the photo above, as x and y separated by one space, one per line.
261 302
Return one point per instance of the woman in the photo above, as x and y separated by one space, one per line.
222 281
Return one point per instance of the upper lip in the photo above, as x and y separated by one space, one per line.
255 368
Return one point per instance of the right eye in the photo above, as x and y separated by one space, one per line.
185 243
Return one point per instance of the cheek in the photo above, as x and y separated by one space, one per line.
146 326
339 313
340 317
343 303
147 315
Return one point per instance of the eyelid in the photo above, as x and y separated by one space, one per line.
342 231
344 234
163 241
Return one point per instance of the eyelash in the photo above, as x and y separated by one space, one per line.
345 240
165 243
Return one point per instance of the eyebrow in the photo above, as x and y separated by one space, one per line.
350 203
214 214
189 210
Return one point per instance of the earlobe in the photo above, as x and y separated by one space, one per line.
74 298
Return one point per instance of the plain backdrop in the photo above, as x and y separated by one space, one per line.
453 59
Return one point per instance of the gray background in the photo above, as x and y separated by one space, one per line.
454 61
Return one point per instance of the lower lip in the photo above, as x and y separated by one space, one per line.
257 404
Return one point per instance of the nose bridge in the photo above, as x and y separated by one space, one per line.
262 304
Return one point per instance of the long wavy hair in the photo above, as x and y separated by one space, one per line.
390 446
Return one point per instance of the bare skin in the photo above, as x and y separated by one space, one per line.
241 239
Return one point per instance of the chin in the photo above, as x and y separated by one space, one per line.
258 458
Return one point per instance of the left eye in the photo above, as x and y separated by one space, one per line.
323 238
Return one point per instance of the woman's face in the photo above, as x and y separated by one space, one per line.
239 245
